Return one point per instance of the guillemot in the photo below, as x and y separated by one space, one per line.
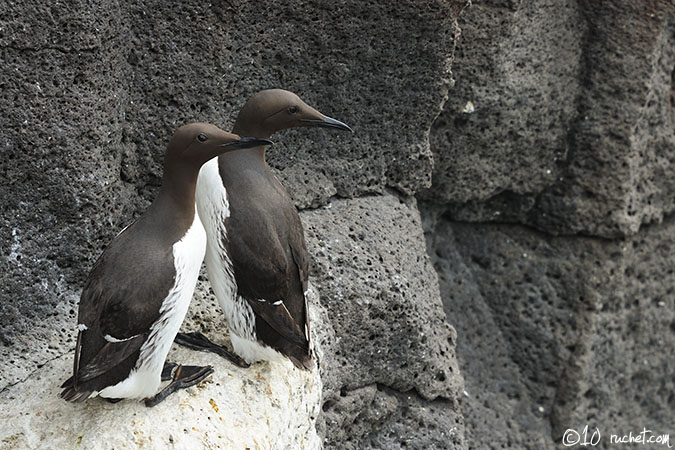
256 254
138 292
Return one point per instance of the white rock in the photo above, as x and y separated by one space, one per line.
267 406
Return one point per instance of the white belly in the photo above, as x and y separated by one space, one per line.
252 351
145 379
213 209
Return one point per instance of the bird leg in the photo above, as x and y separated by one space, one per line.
184 377
167 371
197 341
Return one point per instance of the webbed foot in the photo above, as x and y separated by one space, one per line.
184 377
197 341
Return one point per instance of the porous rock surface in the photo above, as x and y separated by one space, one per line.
90 93
580 330
561 116
547 198
392 352
550 219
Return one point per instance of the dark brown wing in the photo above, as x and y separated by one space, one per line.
301 258
262 247
121 301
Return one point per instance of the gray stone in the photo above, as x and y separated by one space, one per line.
420 424
557 333
561 117
351 418
560 120
505 124
390 334
92 91
309 187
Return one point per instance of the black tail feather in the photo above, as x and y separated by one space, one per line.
68 382
71 394
304 362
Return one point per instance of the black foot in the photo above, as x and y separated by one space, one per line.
197 341
184 377
113 400
167 371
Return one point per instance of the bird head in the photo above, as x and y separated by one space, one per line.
197 143
274 110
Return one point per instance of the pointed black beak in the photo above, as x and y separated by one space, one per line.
328 123
248 142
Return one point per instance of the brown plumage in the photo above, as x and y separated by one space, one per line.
264 241
124 304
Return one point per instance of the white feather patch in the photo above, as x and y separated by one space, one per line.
109 338
123 229
82 327
213 209
252 351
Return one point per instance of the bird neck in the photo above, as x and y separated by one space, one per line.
247 128
252 157
177 195
244 159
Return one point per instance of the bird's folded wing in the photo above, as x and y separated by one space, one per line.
119 304
110 355
267 277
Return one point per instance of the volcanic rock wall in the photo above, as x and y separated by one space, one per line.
90 93
550 218
546 200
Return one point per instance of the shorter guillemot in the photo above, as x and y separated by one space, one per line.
139 290
256 255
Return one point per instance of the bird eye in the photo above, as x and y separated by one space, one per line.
202 137
292 109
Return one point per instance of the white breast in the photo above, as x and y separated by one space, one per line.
213 209
144 380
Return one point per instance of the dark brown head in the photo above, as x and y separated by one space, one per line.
274 110
190 147
194 144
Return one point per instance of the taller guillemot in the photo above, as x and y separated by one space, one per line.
138 292
256 255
